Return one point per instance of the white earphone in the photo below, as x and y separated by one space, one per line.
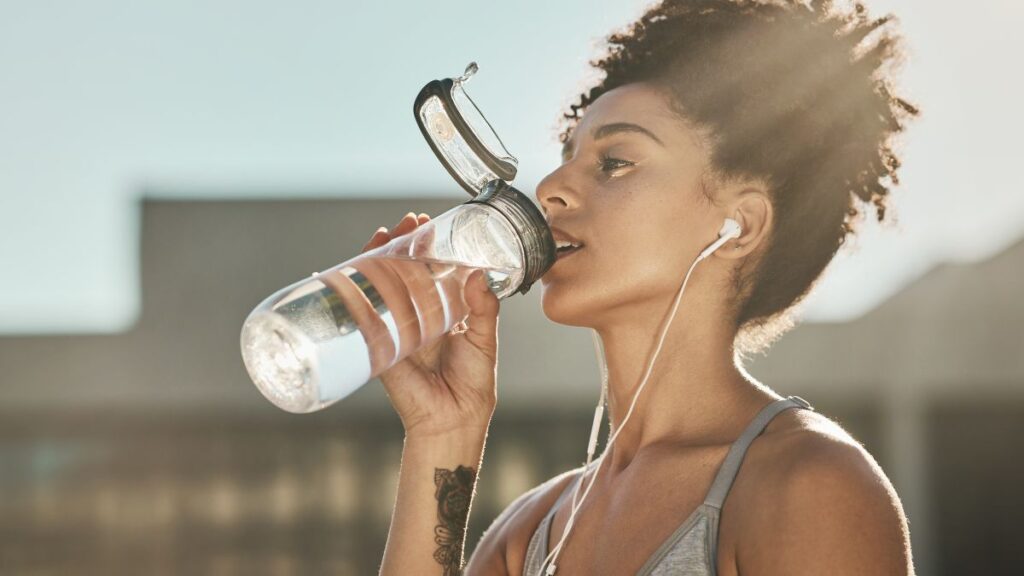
730 229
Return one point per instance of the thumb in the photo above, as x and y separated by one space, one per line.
482 322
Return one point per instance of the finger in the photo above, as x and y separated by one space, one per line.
423 218
371 326
378 238
428 356
482 322
405 225
393 284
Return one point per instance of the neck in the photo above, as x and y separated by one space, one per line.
695 388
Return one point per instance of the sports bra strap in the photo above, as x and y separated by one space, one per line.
731 465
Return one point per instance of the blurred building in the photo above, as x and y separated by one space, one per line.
152 452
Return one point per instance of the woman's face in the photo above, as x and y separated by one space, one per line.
628 188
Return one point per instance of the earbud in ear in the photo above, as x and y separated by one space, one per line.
730 229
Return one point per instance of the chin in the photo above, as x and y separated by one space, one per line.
562 305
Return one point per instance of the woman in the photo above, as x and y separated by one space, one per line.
775 115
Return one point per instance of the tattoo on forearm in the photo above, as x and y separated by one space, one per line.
454 491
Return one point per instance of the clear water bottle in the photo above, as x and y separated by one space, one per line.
314 342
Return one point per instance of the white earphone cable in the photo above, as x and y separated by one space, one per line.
728 233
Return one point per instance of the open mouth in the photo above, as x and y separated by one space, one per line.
565 251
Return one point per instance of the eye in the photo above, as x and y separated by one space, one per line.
609 164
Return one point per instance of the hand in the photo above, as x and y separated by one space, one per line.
448 386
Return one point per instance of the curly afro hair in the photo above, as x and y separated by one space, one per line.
792 94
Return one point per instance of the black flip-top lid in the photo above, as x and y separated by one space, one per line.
459 134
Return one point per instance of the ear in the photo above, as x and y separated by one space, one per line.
751 206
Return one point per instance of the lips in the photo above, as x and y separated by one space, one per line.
562 240
563 253
562 236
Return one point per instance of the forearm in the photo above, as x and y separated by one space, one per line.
435 490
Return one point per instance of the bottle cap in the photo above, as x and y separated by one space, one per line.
461 138
528 221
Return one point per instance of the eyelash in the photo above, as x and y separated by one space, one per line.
605 160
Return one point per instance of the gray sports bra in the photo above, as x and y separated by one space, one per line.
692 550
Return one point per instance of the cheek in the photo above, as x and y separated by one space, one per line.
637 231
646 262
632 258
642 244
646 248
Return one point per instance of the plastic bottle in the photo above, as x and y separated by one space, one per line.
316 341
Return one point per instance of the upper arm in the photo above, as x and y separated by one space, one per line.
831 511
490 556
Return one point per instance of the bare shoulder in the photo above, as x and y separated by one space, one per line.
502 547
814 501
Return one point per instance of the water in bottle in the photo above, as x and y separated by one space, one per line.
316 341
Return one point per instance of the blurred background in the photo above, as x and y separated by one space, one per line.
164 166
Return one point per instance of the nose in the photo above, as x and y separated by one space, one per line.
555 193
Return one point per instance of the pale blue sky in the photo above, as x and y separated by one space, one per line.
102 100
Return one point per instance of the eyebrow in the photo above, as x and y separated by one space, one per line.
614 128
